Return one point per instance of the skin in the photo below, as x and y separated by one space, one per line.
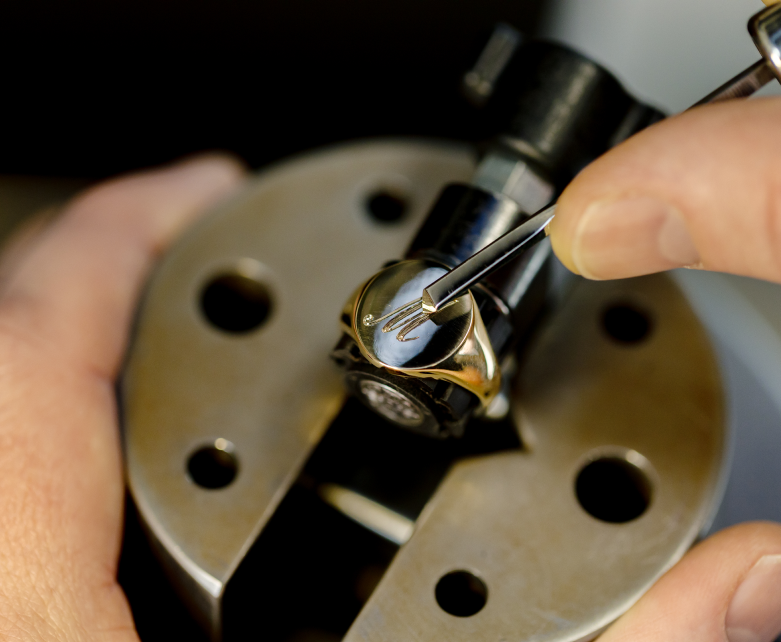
67 294
716 165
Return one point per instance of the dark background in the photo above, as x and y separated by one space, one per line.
91 88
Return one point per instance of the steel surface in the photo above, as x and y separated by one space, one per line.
552 571
302 228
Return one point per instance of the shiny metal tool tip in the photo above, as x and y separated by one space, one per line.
765 29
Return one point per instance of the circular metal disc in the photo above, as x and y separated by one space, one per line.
598 385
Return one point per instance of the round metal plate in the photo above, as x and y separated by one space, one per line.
518 521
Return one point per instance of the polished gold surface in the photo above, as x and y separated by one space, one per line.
450 345
473 365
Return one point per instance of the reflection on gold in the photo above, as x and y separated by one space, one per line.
473 365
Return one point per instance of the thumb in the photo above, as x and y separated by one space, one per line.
699 189
726 589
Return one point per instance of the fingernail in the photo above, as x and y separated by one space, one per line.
754 615
212 171
631 236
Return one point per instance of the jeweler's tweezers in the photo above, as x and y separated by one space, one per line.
765 29
490 258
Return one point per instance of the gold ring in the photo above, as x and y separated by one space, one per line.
386 320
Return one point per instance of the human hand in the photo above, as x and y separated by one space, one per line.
67 295
700 190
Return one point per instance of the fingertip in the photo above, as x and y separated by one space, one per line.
693 600
86 270
191 182
699 189
560 238
219 168
158 203
199 177
200 182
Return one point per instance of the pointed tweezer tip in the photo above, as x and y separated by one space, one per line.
427 303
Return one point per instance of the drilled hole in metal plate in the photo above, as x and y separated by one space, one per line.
386 206
213 466
461 593
613 490
626 323
235 303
